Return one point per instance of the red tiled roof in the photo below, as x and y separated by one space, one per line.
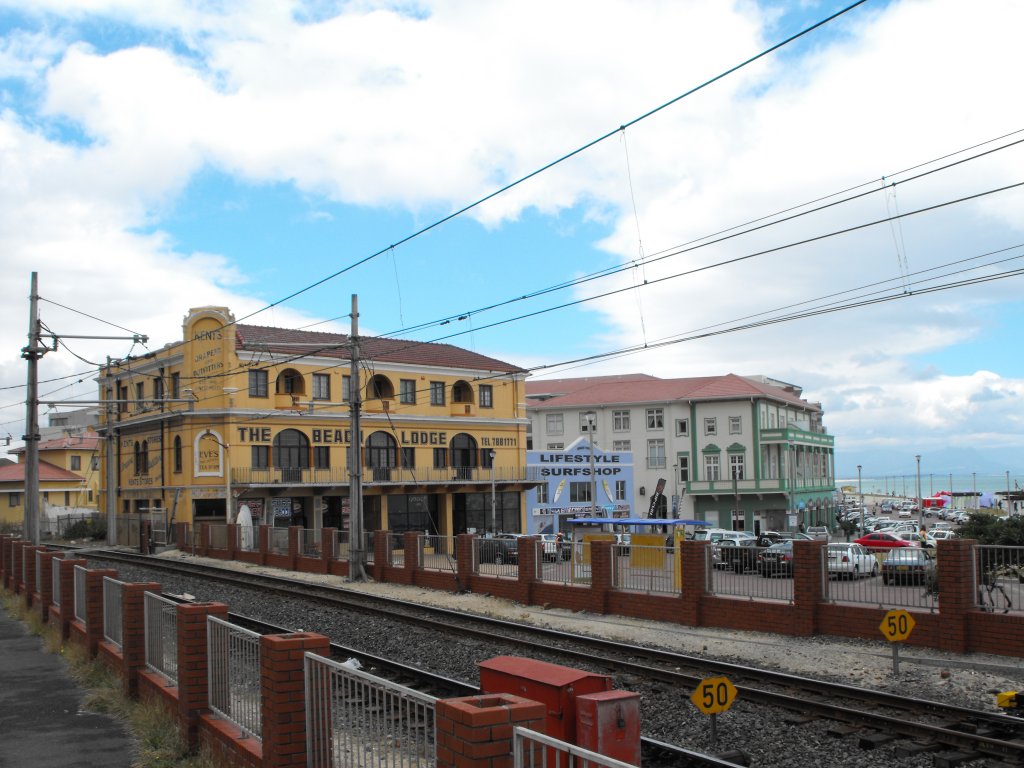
279 340
47 473
75 443
640 389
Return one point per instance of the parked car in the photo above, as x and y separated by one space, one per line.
906 512
935 536
881 540
737 555
503 548
910 565
777 560
717 534
850 560
913 538
818 532
886 506
555 547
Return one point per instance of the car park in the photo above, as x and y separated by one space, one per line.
503 548
819 532
911 565
555 547
881 540
737 555
934 537
777 560
850 560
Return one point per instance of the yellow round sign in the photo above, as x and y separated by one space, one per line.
897 626
713 695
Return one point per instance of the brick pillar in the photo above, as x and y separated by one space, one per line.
66 614
464 560
5 555
476 731
193 664
46 566
807 589
381 554
958 586
283 695
411 561
529 559
94 607
693 580
29 554
328 547
133 633
17 552
601 563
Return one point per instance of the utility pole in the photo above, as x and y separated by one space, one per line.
32 353
355 503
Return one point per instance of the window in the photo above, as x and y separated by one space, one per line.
440 458
177 453
175 386
321 456
556 446
735 425
486 396
94 465
622 445
76 463
158 388
682 427
321 386
620 490
258 384
140 395
683 465
553 424
542 494
712 469
346 388
579 492
13 499
408 457
437 393
289 383
655 454
122 397
407 391
90 494
655 418
736 466
711 425
141 457
620 421
260 456
585 422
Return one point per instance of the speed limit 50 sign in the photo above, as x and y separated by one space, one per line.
713 695
896 626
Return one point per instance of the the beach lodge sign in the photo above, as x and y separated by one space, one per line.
567 484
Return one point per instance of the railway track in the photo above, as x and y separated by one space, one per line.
873 716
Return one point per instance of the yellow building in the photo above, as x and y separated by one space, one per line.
263 414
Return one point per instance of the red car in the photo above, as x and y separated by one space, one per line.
882 540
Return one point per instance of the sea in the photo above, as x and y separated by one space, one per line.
931 483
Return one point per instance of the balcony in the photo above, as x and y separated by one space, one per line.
387 476
463 409
775 485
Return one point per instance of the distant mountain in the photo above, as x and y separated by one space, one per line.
939 460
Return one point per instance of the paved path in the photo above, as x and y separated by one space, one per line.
40 722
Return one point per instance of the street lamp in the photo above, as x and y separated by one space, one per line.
860 492
493 515
590 417
227 474
792 479
919 502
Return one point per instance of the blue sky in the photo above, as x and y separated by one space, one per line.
156 157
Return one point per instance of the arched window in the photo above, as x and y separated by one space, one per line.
177 453
291 454
381 455
138 458
290 382
379 387
463 455
462 392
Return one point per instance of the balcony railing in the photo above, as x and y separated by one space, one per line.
384 475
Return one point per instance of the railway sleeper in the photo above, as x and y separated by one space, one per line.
954 758
914 748
839 730
875 739
734 756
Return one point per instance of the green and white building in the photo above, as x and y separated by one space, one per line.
741 452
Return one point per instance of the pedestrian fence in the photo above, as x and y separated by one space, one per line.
437 553
112 610
396 546
218 535
80 575
647 569
278 541
342 548
309 542
568 566
738 571
161 617
55 581
497 557
1000 578
368 552
233 678
537 750
248 540
357 720
901 577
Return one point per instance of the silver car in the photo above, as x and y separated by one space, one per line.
850 560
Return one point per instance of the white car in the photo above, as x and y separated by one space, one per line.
850 560
906 512
933 536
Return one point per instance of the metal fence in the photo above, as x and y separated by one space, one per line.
437 553
905 577
233 655
396 545
570 566
356 720
161 636
128 527
218 535
310 541
112 610
643 569
80 573
740 573
537 750
369 555
278 541
55 581
248 538
1000 578
496 557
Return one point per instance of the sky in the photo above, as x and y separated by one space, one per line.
279 157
